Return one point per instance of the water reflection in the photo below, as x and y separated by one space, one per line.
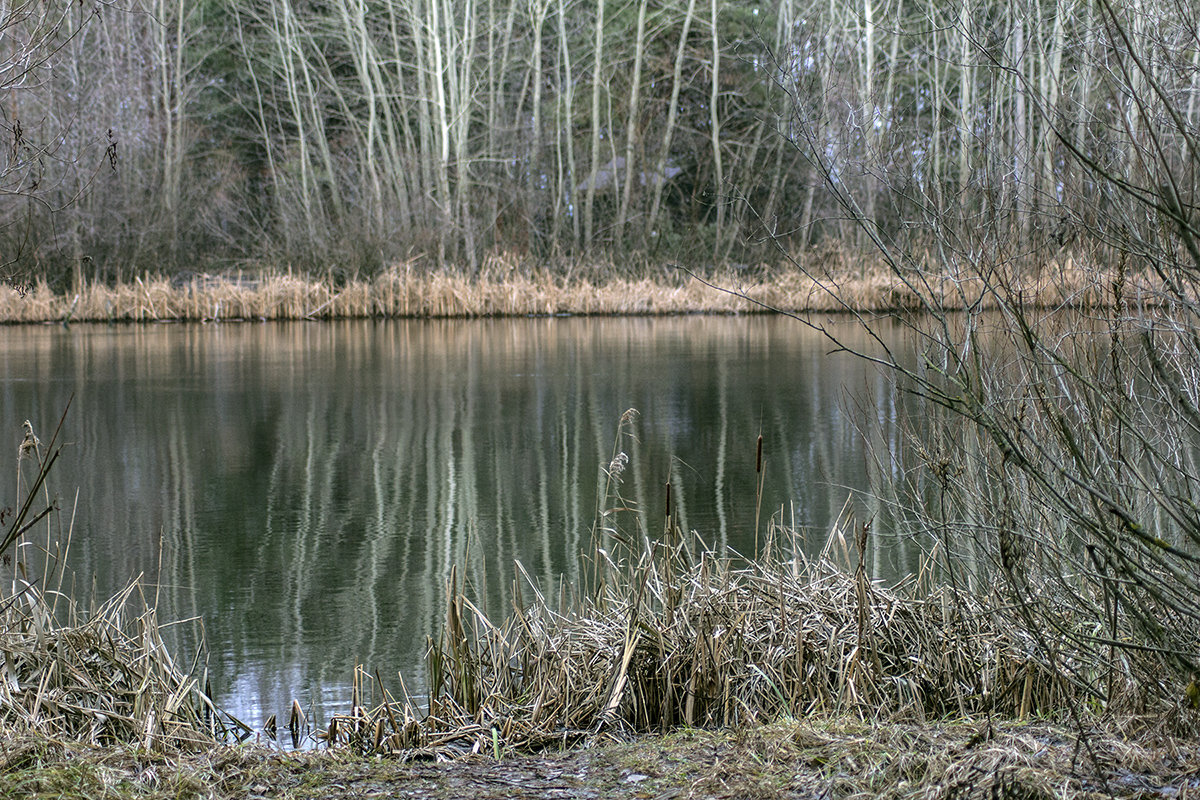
306 488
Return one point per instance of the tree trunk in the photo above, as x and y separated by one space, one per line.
664 153
631 126
594 172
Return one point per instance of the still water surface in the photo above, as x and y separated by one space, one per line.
305 488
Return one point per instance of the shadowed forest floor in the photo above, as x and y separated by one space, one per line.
807 759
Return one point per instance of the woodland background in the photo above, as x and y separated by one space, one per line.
343 137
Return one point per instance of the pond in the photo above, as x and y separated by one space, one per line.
305 488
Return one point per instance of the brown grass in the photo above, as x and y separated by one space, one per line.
669 640
105 677
504 287
102 676
671 634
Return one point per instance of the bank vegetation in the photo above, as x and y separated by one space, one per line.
670 666
1052 482
506 287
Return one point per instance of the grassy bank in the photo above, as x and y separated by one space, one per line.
505 288
668 633
100 674
788 759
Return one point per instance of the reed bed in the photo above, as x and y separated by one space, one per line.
668 633
103 676
506 287
677 635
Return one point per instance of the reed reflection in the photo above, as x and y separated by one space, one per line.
311 486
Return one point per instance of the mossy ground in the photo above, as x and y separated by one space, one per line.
791 759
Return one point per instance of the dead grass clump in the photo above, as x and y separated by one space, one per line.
103 677
671 634
669 639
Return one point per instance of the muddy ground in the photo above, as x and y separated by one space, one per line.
793 759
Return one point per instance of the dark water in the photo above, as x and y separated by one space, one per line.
305 489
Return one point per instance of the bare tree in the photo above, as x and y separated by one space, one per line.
35 163
631 124
1060 454
596 129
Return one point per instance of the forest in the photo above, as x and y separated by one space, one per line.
338 139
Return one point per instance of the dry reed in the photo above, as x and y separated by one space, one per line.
102 677
505 287
670 638
669 634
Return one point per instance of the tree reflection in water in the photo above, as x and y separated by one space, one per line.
311 485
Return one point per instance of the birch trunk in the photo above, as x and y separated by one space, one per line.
715 127
594 171
664 153
631 127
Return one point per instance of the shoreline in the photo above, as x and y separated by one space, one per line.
836 757
409 292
